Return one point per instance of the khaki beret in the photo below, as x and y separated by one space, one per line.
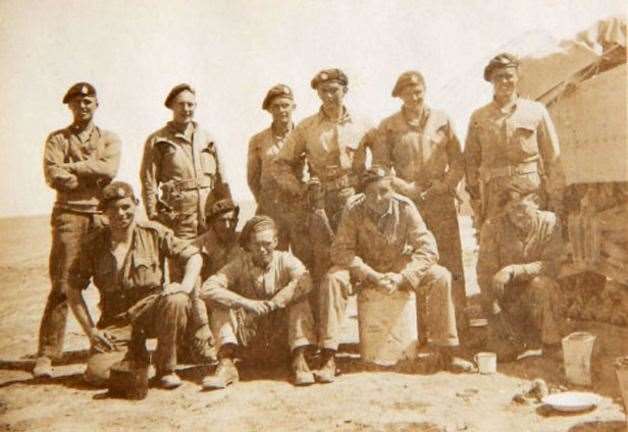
373 174
329 75
279 90
406 79
221 207
503 60
175 91
79 89
115 191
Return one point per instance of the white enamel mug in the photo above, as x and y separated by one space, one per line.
487 362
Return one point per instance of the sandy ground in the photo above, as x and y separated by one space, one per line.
360 400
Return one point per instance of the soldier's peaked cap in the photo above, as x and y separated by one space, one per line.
503 60
79 89
279 90
175 91
329 75
405 79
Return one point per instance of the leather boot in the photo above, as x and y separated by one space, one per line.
327 373
302 374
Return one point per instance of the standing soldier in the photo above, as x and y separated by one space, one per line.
422 147
334 144
78 162
263 150
511 137
180 172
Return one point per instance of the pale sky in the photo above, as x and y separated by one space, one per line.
232 52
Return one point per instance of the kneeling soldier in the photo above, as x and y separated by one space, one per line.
518 262
126 263
383 242
259 302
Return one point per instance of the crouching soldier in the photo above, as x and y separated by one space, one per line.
125 261
518 262
382 242
259 303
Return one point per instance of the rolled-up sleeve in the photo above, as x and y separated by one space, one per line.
217 288
53 159
299 282
175 247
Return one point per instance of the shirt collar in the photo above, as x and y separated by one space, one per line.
85 134
508 110
416 123
345 118
172 128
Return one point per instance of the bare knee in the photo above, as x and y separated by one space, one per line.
440 276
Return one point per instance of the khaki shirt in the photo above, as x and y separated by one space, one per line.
398 241
422 152
285 281
94 161
141 273
538 253
332 149
193 168
498 140
263 151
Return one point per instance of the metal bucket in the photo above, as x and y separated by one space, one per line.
577 352
388 326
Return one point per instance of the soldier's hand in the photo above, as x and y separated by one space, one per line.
173 288
394 280
257 307
70 182
102 341
501 279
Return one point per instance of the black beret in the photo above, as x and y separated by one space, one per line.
503 60
405 79
329 75
115 191
175 91
220 207
79 89
276 91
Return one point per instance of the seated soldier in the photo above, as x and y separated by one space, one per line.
518 262
125 261
219 244
383 243
259 302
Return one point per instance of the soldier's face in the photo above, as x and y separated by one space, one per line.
281 109
413 95
261 246
183 106
225 226
378 195
121 213
505 81
521 211
83 108
331 93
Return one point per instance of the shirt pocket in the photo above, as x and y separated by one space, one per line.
145 272
524 138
